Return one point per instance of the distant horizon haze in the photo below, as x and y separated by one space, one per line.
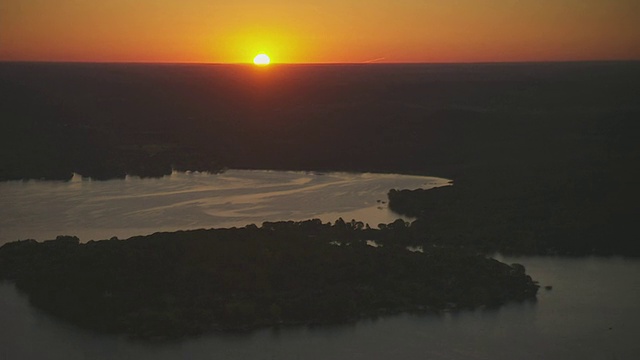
248 65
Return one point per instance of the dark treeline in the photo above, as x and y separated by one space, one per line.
539 153
521 224
104 120
171 285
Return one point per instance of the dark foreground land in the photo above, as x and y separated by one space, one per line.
171 285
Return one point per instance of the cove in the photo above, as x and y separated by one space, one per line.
94 210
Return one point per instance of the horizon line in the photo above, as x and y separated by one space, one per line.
368 63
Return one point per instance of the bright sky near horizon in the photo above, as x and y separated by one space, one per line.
311 31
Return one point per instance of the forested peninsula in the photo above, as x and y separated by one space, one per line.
170 285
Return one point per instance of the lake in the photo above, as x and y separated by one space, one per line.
96 210
592 312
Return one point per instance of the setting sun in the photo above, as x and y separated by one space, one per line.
261 60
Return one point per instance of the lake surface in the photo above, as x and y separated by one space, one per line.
592 312
96 210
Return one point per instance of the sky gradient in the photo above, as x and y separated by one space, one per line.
311 31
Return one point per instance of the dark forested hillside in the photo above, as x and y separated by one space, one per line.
105 119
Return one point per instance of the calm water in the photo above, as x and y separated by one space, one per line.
95 210
592 312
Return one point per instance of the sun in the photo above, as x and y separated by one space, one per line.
261 60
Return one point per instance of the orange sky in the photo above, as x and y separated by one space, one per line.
311 31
